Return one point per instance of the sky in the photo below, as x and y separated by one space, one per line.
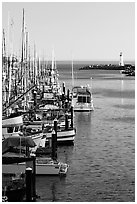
79 30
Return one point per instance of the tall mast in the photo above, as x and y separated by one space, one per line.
4 66
3 45
10 23
34 66
72 74
29 68
22 51
53 56
26 69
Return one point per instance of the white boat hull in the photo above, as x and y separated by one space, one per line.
41 169
63 136
82 107
15 121
82 100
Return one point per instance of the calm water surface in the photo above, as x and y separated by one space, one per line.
102 160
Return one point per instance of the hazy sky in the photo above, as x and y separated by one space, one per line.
89 30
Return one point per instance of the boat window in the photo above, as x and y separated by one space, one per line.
88 99
84 99
16 129
80 99
10 129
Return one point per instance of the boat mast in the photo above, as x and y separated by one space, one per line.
4 66
53 59
72 74
38 71
34 66
26 70
53 66
10 57
22 53
29 68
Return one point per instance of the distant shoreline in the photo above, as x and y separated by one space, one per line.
108 67
93 62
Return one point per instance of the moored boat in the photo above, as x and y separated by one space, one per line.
63 136
44 166
13 188
11 126
82 99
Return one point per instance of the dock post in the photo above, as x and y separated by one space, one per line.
28 184
34 179
68 95
63 98
55 128
55 125
64 87
54 145
72 113
66 121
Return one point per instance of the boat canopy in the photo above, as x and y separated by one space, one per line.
17 141
84 91
76 87
81 90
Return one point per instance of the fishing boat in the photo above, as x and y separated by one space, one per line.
82 99
44 166
65 129
48 166
11 126
14 184
13 188
63 136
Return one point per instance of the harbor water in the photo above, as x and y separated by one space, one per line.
102 160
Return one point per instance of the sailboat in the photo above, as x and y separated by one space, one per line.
12 122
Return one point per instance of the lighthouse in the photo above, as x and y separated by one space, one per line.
121 63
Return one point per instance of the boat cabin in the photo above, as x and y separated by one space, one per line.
82 94
12 126
83 98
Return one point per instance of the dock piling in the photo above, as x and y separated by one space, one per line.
28 184
34 179
72 113
66 121
54 141
68 92
64 87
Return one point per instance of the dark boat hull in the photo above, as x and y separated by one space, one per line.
16 195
